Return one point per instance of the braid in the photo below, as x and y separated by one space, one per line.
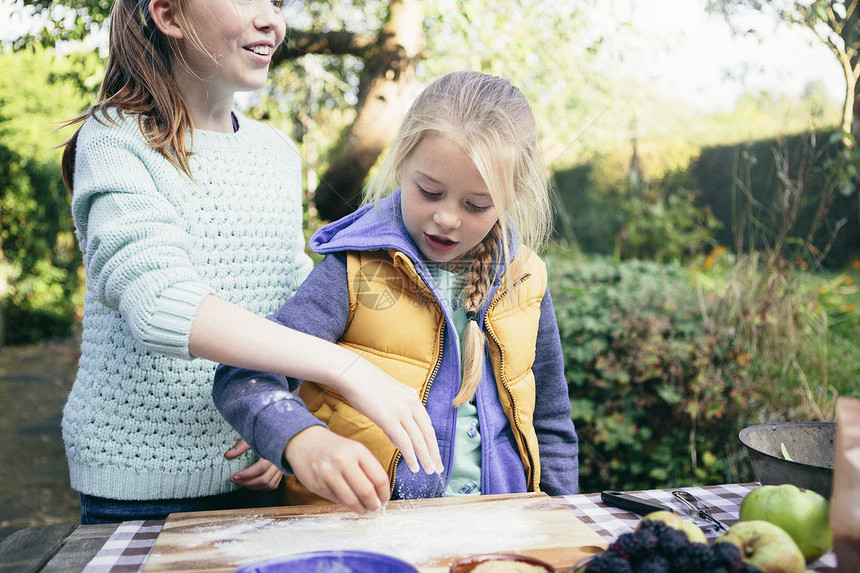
479 277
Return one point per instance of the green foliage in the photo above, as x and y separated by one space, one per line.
590 205
65 21
652 386
604 213
664 226
40 279
665 365
796 190
797 330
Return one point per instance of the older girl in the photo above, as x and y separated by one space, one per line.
189 216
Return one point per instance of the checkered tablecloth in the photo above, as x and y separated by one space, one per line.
127 549
610 522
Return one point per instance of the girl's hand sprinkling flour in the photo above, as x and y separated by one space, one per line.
397 409
348 474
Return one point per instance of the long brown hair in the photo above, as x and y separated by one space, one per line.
139 80
496 127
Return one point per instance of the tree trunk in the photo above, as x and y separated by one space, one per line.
385 92
850 108
850 118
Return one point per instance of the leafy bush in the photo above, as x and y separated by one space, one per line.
40 261
665 365
664 226
41 284
652 385
790 326
603 212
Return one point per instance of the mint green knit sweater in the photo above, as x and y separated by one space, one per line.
140 422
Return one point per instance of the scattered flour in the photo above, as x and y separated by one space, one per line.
417 537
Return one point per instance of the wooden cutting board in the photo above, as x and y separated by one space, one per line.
431 534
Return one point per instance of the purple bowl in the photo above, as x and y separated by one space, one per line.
331 562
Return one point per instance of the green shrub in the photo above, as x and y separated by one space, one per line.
664 226
41 284
605 212
651 384
40 280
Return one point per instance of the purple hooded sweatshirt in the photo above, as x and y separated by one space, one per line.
264 411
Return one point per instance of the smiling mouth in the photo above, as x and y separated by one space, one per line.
261 50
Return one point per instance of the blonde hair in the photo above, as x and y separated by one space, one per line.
138 80
494 124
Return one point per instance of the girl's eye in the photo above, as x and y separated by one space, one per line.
477 208
278 4
428 194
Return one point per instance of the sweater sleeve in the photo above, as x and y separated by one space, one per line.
557 439
261 406
134 244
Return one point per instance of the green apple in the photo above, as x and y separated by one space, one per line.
765 545
802 513
694 532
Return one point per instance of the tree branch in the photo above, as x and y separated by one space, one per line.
301 42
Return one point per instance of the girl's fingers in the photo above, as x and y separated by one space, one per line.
368 485
421 452
240 448
341 493
261 476
379 478
427 435
403 441
357 486
338 469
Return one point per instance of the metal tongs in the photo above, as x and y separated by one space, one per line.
697 507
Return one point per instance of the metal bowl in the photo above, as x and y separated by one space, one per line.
808 444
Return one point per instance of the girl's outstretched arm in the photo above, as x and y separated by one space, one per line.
224 332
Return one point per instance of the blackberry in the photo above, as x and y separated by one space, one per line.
609 562
635 546
693 557
658 548
654 563
671 541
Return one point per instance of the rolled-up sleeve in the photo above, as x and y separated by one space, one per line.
135 246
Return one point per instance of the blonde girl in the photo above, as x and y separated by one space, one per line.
442 257
189 217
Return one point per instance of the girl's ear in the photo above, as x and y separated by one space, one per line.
166 18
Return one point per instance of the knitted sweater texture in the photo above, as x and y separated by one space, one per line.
139 422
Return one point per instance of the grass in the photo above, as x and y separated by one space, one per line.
797 329
841 293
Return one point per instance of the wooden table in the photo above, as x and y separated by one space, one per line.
53 548
69 548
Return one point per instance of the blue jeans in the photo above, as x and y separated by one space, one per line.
103 510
